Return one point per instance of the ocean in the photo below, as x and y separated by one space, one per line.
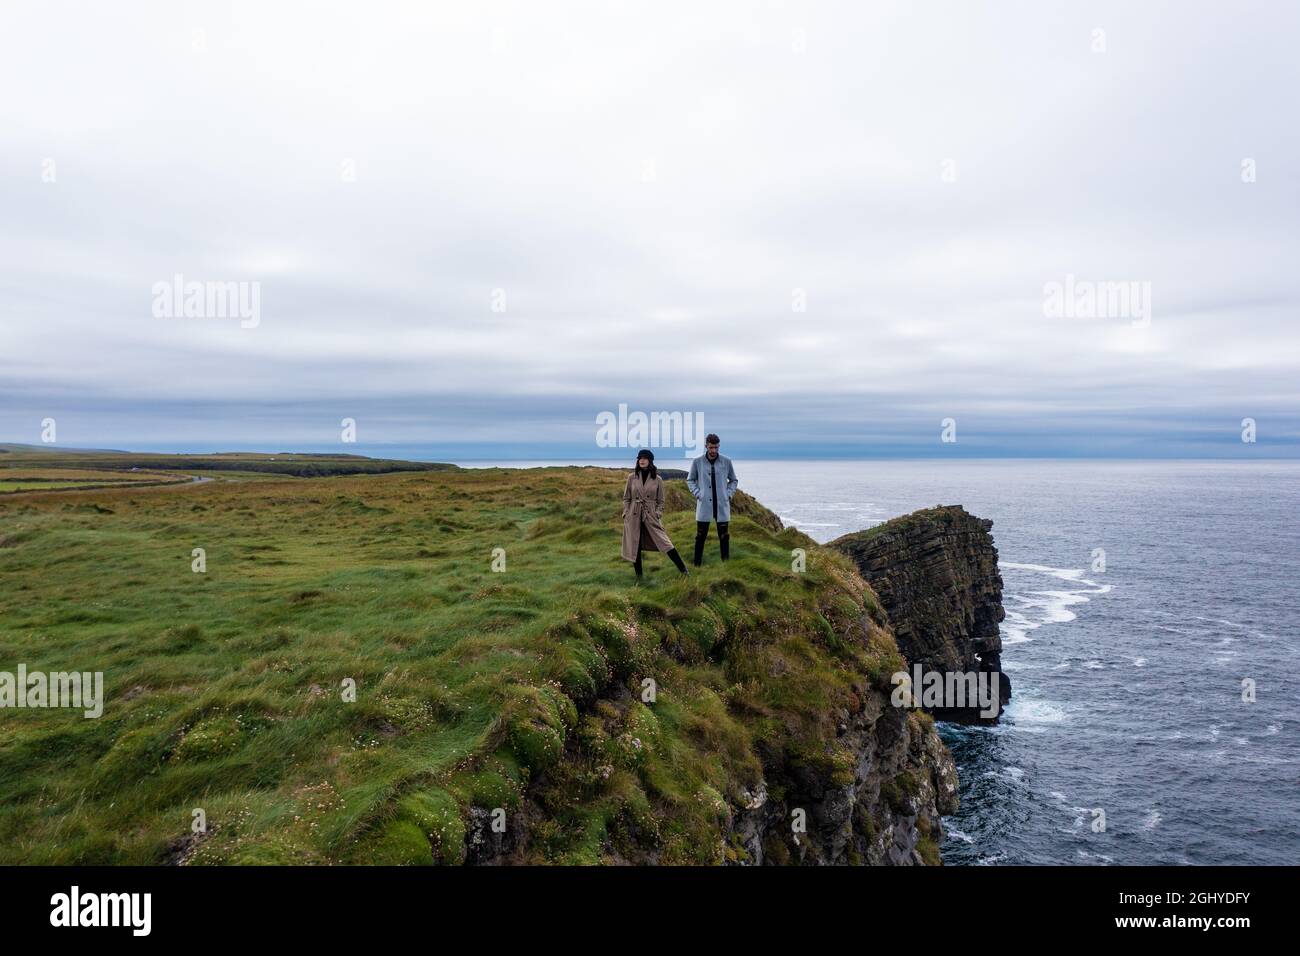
1127 740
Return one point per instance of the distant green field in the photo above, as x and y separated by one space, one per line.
516 689
244 463
16 477
38 484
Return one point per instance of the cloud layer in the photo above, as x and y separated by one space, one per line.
826 226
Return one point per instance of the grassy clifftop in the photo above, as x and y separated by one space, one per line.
499 716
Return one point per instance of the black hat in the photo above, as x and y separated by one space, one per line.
645 453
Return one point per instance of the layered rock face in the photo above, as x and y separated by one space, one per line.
879 803
936 573
883 809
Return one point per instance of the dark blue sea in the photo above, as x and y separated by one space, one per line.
1128 682
1128 694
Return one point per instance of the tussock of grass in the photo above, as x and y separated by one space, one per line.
520 690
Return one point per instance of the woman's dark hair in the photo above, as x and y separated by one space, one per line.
652 471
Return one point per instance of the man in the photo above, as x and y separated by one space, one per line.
712 481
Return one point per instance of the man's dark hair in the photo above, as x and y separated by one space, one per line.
712 439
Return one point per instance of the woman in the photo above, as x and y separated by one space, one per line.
643 510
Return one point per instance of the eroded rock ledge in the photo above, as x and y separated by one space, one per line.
883 808
936 573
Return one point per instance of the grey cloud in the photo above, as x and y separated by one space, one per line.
504 147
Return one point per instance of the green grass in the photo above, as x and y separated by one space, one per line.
518 690
15 478
125 465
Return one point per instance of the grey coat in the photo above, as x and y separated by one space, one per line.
724 475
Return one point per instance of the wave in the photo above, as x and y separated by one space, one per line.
954 834
1218 620
1085 855
1073 575
1034 712
1030 610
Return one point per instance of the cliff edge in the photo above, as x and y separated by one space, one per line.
936 572
769 737
453 666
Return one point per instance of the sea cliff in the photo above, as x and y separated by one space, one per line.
936 573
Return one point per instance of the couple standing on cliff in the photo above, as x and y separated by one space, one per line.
712 480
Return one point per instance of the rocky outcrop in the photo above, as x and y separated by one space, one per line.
874 795
936 574
882 807
826 769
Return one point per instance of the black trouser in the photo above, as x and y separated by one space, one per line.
724 539
672 554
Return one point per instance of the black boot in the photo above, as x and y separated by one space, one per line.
724 540
677 560
636 566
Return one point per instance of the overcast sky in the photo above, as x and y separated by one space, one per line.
476 226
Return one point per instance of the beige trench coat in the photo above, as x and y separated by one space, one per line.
643 503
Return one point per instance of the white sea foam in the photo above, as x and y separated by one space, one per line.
1029 610
1218 620
1151 820
1085 855
1022 711
1015 627
1065 574
1073 575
